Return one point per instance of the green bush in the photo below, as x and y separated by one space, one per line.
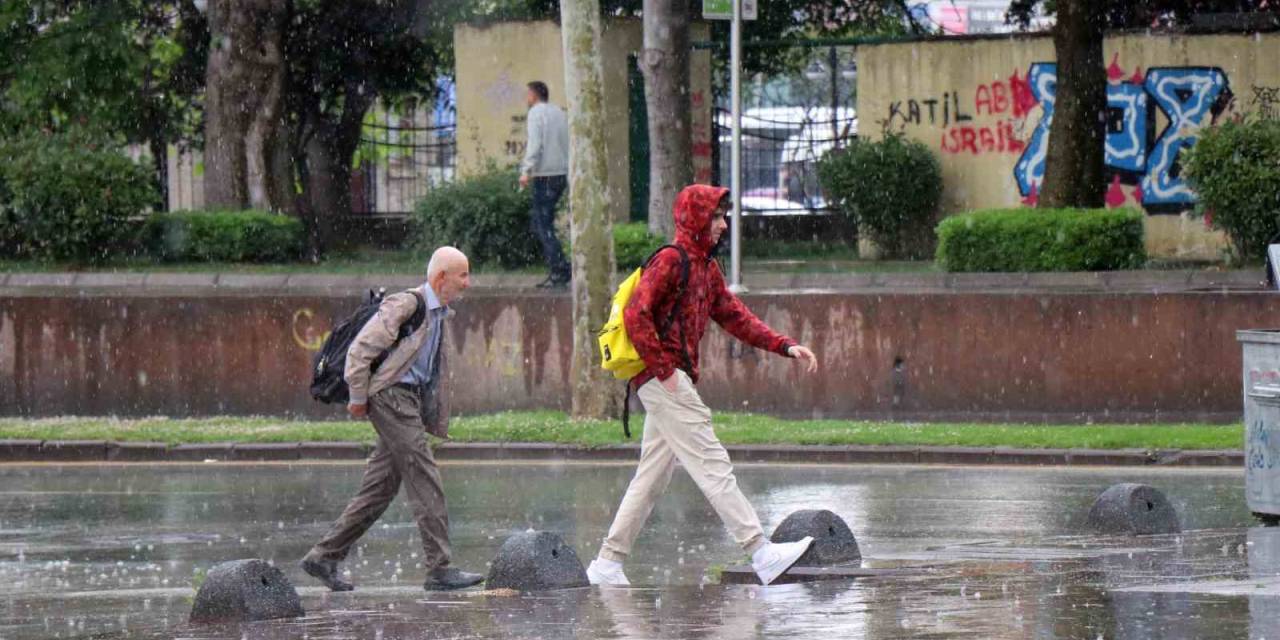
69 197
485 216
1042 240
1235 169
889 188
632 244
224 236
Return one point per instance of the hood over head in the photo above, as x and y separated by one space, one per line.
693 210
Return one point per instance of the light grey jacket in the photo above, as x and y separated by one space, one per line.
378 334
547 151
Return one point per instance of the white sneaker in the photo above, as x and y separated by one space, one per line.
773 560
607 573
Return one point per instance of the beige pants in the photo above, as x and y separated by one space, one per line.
678 427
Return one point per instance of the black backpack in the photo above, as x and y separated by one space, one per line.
327 382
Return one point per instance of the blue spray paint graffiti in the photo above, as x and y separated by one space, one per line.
1029 171
1127 128
1262 451
1189 97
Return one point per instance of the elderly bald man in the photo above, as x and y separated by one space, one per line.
401 397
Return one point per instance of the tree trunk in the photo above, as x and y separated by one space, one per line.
242 99
263 136
160 165
325 170
665 64
594 391
1074 174
283 189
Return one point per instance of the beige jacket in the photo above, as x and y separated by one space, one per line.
378 334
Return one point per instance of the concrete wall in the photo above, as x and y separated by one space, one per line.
945 355
494 62
980 105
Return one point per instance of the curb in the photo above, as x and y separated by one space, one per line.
106 451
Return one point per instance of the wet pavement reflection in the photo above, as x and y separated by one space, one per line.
114 551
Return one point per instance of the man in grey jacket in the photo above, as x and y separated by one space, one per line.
546 166
405 399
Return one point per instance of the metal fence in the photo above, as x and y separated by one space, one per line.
789 122
401 156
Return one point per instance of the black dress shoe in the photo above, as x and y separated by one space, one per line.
449 579
326 571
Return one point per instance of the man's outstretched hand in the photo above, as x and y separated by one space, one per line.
358 410
803 353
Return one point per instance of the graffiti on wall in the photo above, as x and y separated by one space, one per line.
1137 155
1153 117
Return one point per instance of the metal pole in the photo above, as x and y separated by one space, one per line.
735 158
833 62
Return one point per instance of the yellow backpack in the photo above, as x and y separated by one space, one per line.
617 353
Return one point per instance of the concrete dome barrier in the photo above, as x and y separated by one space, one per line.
536 561
1133 509
833 541
245 591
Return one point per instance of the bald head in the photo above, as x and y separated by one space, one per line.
445 259
449 273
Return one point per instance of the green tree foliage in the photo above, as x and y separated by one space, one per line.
1127 14
127 69
779 20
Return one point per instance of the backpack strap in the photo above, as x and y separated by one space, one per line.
416 319
406 329
679 302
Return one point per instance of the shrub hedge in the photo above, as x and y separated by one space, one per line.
1042 240
1235 169
69 197
889 188
224 236
632 244
485 216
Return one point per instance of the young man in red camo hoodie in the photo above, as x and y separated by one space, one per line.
677 424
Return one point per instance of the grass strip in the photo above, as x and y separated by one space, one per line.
555 427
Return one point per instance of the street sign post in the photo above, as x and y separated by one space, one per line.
736 11
723 9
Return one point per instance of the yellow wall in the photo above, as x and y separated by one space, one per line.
980 128
493 64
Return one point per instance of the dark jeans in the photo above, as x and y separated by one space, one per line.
542 221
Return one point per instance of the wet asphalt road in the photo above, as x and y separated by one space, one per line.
111 552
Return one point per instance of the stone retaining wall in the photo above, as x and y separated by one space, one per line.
972 350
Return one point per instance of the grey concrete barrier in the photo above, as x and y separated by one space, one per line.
1133 509
833 541
245 591
536 561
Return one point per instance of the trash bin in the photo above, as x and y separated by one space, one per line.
1261 377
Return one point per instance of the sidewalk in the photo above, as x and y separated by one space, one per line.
17 451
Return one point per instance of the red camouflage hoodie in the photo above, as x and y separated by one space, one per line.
706 297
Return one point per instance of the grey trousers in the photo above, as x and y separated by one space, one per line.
400 457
